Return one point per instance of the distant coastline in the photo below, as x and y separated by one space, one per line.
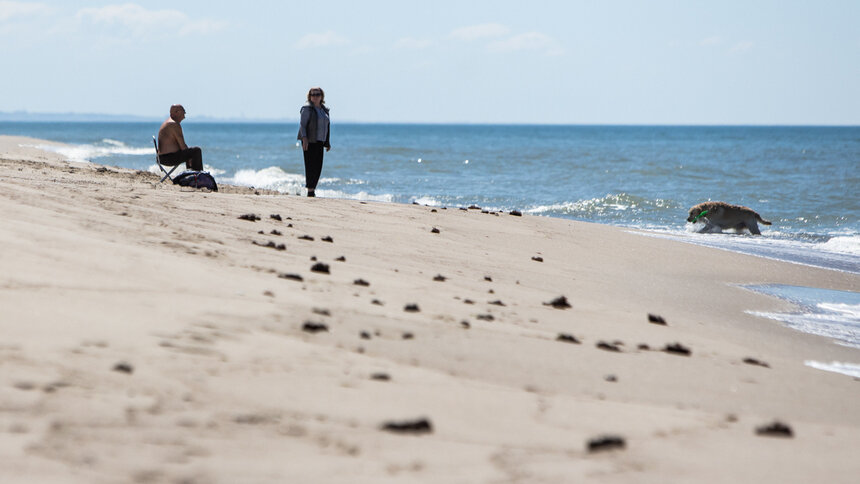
27 116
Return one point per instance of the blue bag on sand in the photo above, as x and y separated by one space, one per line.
196 179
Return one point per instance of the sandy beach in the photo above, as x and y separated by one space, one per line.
152 333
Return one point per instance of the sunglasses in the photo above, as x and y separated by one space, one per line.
316 94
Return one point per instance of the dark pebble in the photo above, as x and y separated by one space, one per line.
643 347
249 217
496 303
419 426
488 278
408 335
776 429
434 230
306 237
603 345
327 238
468 301
377 302
611 378
364 335
313 258
275 232
537 259
320 267
380 377
271 245
123 367
465 324
567 338
433 211
276 216
606 442
341 259
312 327
474 207
261 232
677 349
516 213
321 311
411 308
655 319
485 317
292 277
464 209
440 278
558 303
753 361
361 282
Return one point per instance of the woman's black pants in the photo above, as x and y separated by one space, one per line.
313 164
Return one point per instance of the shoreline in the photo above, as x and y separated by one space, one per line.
153 334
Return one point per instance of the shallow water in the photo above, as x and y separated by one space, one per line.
823 312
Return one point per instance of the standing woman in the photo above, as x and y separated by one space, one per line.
314 131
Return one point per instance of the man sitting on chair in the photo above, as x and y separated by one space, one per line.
172 149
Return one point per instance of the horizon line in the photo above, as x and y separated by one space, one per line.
22 116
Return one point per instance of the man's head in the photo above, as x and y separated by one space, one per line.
177 112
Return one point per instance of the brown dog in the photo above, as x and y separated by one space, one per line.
721 215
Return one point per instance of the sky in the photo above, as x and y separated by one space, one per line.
440 61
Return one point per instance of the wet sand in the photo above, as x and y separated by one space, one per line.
152 333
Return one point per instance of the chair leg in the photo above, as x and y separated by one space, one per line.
167 173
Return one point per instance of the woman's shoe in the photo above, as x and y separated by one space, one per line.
311 193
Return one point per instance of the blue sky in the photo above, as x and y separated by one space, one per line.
570 62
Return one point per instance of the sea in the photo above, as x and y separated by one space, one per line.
804 179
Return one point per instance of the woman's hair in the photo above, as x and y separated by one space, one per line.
322 98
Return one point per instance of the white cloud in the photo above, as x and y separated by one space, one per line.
412 43
481 31
138 21
527 41
742 46
710 41
324 39
11 10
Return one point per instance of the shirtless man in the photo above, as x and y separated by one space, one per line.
172 149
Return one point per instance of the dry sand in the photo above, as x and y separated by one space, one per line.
147 337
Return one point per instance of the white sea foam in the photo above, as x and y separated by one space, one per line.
849 369
363 196
88 152
824 312
429 201
840 255
271 178
843 245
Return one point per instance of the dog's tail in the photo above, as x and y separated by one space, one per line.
763 221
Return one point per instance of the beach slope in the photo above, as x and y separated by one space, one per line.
152 333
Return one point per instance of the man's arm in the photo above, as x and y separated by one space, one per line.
178 136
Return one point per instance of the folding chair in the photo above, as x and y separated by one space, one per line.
158 161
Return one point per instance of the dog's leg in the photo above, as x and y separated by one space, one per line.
753 227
